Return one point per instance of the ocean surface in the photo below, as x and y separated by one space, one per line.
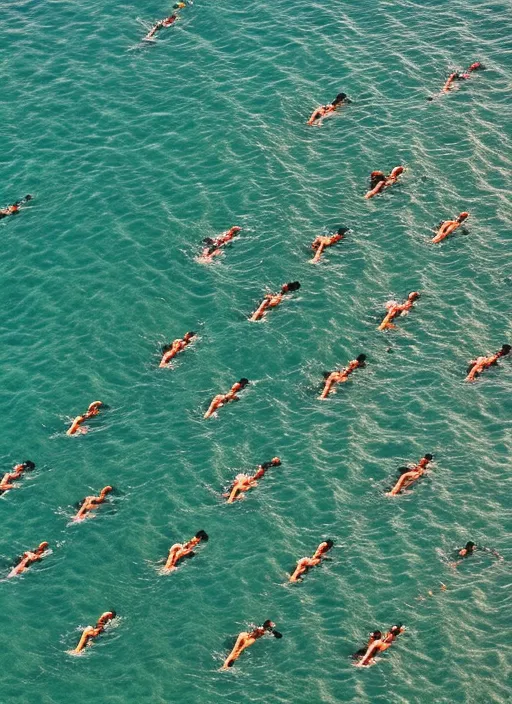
134 152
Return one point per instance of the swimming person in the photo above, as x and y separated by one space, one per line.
17 471
378 181
244 482
325 110
478 365
91 503
456 76
247 638
160 25
332 378
272 300
14 208
410 475
448 226
170 351
28 558
91 632
305 563
214 246
222 399
180 550
395 309
93 410
469 549
379 645
321 242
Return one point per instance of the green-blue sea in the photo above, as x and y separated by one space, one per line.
134 152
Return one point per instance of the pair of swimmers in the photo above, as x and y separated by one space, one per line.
166 22
28 558
244 482
480 364
221 399
76 425
339 377
91 632
379 181
272 300
409 475
91 503
325 110
248 638
170 351
14 208
377 643
179 551
6 483
214 245
395 309
456 76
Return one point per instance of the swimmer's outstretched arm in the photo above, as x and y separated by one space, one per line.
87 633
260 311
319 249
374 191
237 650
406 477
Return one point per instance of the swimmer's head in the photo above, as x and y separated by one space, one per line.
268 625
28 465
202 535
462 217
275 461
428 457
413 296
361 358
292 286
243 382
339 98
470 546
329 543
190 335
342 231
505 349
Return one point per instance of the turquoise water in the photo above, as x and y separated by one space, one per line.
134 153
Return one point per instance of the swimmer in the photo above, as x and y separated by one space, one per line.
379 645
170 351
448 226
469 549
222 399
180 550
410 475
395 309
321 242
93 410
456 76
478 365
244 482
17 471
272 300
247 638
91 503
159 25
332 378
378 181
325 110
214 246
14 208
28 558
305 563
91 632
